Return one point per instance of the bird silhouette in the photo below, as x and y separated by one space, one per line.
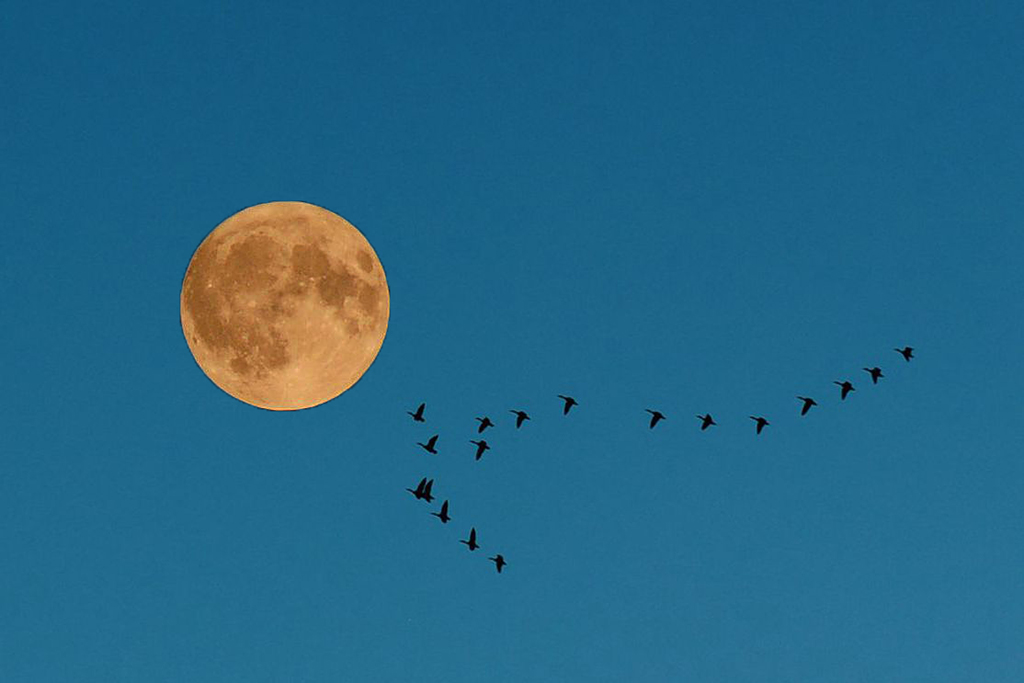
427 495
655 417
846 388
471 543
418 415
761 422
569 403
429 445
521 417
481 446
907 352
499 562
876 372
418 491
808 402
706 421
485 422
443 514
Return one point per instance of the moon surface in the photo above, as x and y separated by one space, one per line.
285 305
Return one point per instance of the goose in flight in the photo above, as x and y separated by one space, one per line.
418 491
443 514
471 543
498 561
481 446
846 387
761 422
418 415
876 372
656 416
429 445
521 417
569 403
808 402
706 421
485 422
907 352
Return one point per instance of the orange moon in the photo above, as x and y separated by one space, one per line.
285 305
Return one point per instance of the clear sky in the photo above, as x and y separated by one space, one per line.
684 206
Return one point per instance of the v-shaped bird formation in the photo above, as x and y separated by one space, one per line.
423 489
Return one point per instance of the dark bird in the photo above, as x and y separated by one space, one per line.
655 417
471 543
498 561
907 352
521 417
443 514
429 445
761 422
418 415
846 387
569 403
418 492
876 372
706 421
485 422
427 495
808 402
481 446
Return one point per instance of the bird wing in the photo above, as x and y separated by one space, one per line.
433 440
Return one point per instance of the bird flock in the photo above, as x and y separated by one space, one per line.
424 489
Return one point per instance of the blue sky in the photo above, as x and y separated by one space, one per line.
691 207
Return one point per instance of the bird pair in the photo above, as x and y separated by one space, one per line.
498 560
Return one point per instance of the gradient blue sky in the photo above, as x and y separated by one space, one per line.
693 207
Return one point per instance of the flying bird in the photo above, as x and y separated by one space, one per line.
471 543
418 415
907 352
481 446
521 417
429 445
420 488
485 422
498 561
876 372
706 421
655 417
443 514
808 402
846 387
761 422
569 403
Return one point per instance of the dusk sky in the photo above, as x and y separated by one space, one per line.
689 207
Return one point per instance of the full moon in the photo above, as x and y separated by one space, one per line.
284 305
